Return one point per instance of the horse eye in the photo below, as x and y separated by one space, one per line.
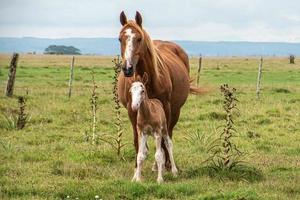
139 39
120 39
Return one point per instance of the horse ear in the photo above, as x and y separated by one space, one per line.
138 78
123 18
145 78
138 18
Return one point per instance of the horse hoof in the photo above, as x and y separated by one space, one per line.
134 179
175 172
160 180
138 180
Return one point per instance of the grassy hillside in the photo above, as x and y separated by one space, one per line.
52 159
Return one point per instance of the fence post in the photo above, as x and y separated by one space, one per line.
292 59
199 69
259 77
71 76
94 106
12 75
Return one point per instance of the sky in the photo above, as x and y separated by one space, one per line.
198 20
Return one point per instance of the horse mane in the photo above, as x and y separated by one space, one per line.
155 58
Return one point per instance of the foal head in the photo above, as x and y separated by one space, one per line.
132 40
138 92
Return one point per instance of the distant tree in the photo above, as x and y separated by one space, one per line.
61 49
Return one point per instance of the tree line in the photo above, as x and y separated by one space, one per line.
62 50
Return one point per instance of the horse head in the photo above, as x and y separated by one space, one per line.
138 91
131 39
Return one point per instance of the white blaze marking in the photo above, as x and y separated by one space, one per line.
129 46
136 95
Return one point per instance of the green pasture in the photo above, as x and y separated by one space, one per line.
53 157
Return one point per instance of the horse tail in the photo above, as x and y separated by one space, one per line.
197 90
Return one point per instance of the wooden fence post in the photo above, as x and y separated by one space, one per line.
259 78
12 75
71 76
292 59
93 101
199 69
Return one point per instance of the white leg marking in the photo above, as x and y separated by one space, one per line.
159 157
141 156
169 145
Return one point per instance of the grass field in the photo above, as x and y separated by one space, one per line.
51 158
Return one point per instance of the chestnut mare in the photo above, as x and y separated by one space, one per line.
167 65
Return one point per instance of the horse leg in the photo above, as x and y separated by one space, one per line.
167 109
167 163
141 156
174 120
132 116
159 157
169 145
166 153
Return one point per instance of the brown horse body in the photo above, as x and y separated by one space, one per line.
167 66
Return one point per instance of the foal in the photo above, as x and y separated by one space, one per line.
151 120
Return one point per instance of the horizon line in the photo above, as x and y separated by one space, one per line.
183 40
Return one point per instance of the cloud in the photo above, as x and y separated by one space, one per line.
252 20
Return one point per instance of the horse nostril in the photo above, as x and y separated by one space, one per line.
128 72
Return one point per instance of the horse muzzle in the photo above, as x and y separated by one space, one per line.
135 107
128 71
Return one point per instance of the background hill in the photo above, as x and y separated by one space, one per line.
110 46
